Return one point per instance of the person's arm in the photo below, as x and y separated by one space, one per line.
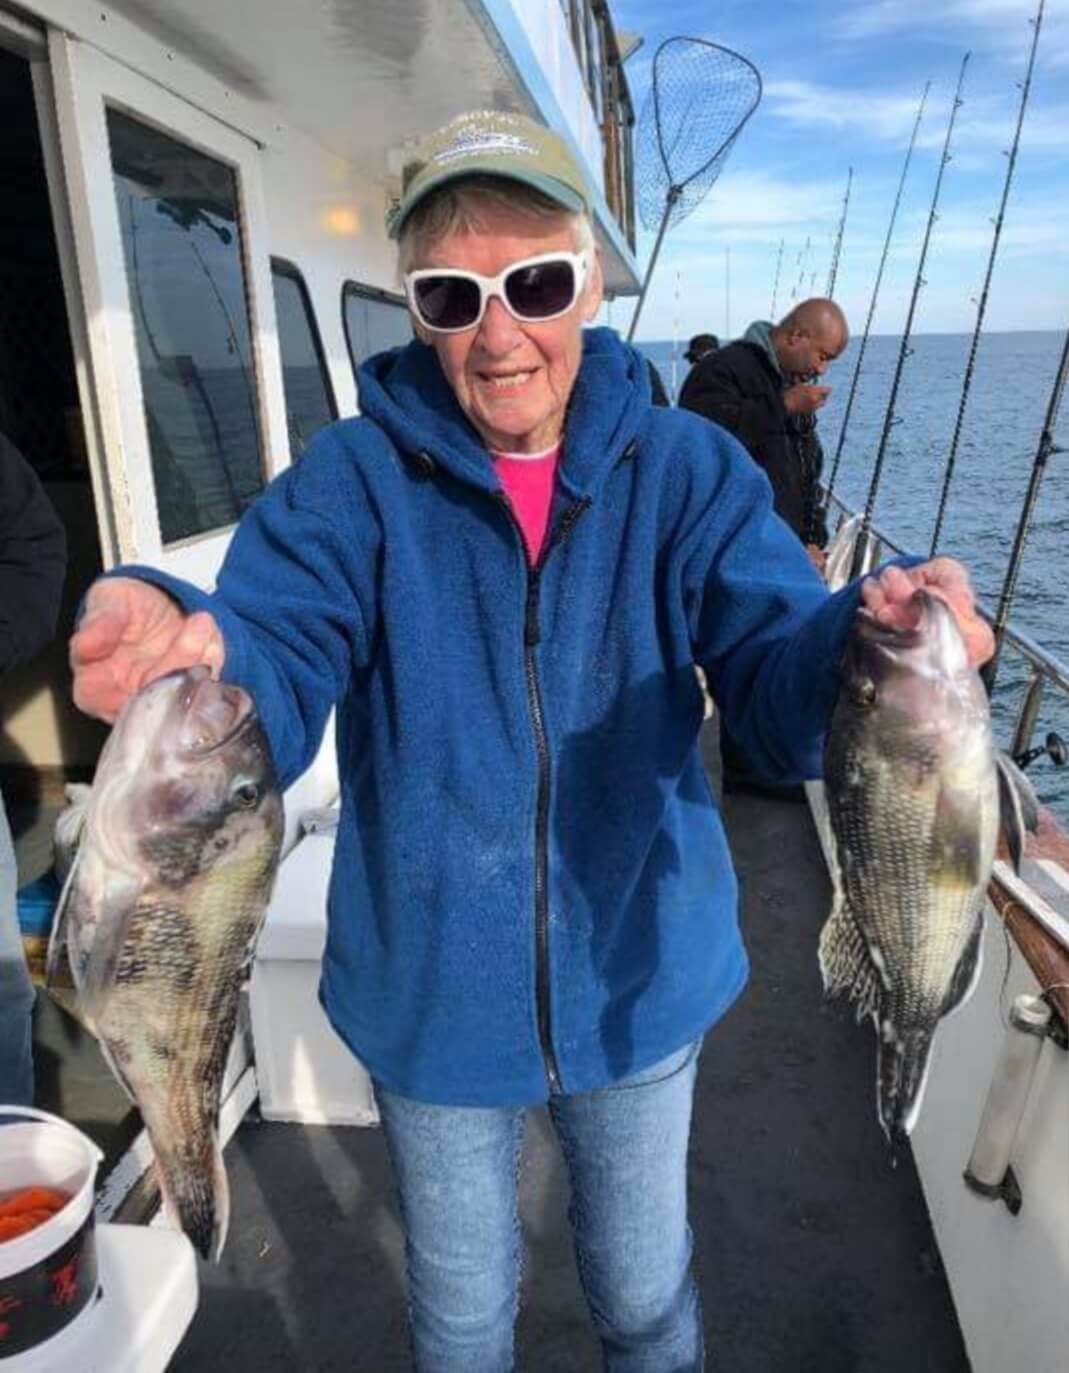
33 560
287 620
764 628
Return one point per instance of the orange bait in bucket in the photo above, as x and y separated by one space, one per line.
27 1208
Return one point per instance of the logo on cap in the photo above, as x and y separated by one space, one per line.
482 141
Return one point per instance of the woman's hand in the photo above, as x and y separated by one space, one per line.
888 597
131 633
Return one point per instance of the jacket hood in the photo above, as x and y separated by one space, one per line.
760 335
405 392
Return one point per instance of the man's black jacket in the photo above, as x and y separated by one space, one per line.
33 560
738 387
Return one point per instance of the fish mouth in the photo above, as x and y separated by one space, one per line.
884 637
925 607
213 713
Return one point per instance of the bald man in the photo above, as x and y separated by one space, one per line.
763 389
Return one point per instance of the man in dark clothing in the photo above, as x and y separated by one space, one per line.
762 389
32 565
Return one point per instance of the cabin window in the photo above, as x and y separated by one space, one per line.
309 398
374 320
181 233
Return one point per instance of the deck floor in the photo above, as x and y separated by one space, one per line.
813 1246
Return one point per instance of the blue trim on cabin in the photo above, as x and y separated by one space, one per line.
516 47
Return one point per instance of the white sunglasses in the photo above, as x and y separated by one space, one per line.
448 300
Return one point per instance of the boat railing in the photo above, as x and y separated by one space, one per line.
602 66
1041 667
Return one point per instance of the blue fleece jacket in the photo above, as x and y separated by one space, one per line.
532 890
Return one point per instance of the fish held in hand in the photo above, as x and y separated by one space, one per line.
913 784
160 915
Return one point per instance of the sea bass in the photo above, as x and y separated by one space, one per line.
913 787
160 913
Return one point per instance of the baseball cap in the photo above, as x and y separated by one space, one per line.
490 143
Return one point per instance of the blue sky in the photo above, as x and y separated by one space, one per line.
841 87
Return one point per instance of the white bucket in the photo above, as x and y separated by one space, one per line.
48 1276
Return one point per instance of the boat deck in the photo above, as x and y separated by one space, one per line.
813 1246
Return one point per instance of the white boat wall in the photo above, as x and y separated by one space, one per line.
1009 1273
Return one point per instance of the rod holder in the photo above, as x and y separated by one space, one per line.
1054 747
988 1172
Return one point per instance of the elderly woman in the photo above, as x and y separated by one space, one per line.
502 574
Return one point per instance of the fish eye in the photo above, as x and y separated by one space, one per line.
246 794
863 692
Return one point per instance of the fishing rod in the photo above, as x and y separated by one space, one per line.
775 284
803 258
948 473
904 349
833 271
875 294
1046 447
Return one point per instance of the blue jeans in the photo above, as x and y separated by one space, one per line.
625 1147
16 989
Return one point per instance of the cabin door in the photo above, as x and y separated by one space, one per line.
173 262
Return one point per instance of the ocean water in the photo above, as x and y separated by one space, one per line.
1008 399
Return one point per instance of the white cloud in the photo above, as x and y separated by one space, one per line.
1002 25
983 122
760 201
876 114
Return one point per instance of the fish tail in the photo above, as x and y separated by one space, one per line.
902 1074
196 1195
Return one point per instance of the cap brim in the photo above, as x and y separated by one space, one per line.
557 191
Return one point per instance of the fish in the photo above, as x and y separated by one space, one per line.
915 790
840 553
173 870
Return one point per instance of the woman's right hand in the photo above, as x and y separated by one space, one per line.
130 633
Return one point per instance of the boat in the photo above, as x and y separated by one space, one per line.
193 263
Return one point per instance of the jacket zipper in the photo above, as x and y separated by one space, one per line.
531 637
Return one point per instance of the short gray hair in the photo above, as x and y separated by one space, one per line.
463 206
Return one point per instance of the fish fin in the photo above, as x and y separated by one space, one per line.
196 1199
841 553
112 1061
902 1063
221 1227
1018 804
96 970
69 826
846 961
958 855
967 973
57 939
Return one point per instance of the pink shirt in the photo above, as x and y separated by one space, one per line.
528 481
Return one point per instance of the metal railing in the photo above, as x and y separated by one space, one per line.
1041 667
598 53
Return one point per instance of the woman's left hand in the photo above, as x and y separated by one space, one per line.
888 598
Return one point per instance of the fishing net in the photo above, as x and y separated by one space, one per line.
700 97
